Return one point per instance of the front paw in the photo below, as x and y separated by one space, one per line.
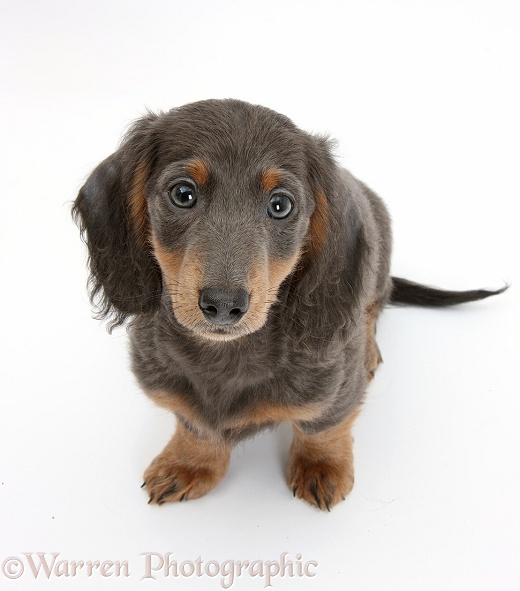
168 480
321 483
321 465
187 468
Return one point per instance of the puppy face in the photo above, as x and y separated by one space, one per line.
211 205
227 210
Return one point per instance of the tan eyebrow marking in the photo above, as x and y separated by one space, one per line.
319 224
198 171
270 179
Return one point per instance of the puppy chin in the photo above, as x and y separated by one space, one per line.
221 334
216 333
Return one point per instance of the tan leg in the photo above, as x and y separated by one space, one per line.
187 468
373 355
321 466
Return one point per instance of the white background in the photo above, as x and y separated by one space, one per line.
423 98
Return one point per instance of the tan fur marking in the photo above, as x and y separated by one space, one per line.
178 404
270 413
319 223
321 466
137 201
264 283
182 274
187 468
170 262
262 414
198 171
280 270
271 179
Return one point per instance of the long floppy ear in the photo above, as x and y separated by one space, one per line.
331 278
112 215
337 246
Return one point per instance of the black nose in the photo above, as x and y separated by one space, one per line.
223 307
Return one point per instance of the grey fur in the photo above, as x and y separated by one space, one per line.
312 346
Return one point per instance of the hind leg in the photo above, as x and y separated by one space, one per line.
373 355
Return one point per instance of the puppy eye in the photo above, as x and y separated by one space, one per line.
279 206
183 194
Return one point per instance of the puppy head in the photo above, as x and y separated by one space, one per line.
211 206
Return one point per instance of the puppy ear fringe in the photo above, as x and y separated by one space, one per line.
102 304
335 227
110 211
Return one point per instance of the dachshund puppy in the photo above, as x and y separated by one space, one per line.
253 269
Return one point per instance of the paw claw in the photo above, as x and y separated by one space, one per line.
314 493
320 484
172 489
172 481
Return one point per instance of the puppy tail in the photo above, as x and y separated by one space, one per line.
406 292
